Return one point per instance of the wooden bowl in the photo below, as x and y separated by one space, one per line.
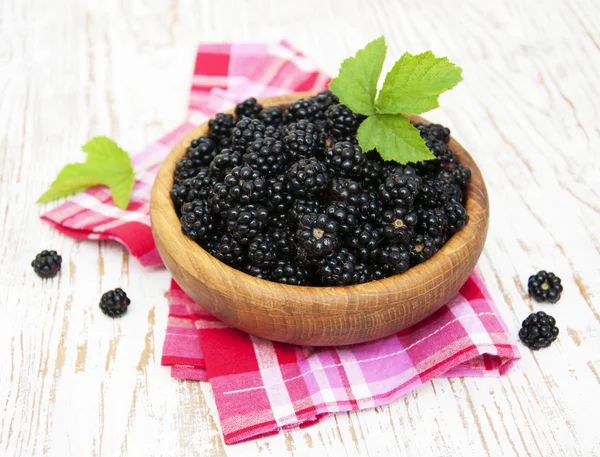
317 316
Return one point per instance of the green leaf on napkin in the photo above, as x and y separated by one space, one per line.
107 164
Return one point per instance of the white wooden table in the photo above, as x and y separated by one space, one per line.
73 382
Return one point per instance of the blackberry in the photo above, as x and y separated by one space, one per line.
345 214
303 140
186 168
345 158
197 220
304 108
178 194
261 251
302 206
224 162
394 259
341 121
47 264
201 151
245 133
200 186
399 224
278 220
345 189
279 197
434 130
338 269
275 132
219 129
266 155
435 193
372 169
455 174
368 204
248 108
432 221
308 177
538 331
421 248
289 272
284 243
272 116
324 100
456 216
545 287
244 185
245 222
317 233
400 188
256 271
365 241
114 303
439 149
229 251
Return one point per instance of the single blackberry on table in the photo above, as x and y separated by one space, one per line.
201 151
47 264
302 140
339 269
219 129
302 206
244 185
228 250
279 198
421 248
186 168
341 121
272 116
400 188
197 220
246 222
266 155
345 158
398 224
456 216
365 241
317 233
256 271
308 177
432 221
345 214
248 108
284 243
538 331
545 287
261 251
394 259
245 133
114 303
224 162
288 272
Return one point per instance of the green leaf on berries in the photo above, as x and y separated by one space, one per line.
356 83
394 137
415 82
107 164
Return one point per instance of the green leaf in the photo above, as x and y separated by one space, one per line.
394 137
414 83
107 164
356 83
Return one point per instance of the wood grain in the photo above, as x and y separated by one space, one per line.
317 316
527 112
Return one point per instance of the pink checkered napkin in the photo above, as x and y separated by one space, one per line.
260 386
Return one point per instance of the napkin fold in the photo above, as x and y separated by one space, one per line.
260 386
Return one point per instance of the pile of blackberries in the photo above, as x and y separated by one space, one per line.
289 196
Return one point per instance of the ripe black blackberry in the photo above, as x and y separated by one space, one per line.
178 194
248 108
279 198
261 251
394 259
345 158
421 248
365 241
219 129
272 116
47 264
256 271
400 188
538 331
435 193
308 177
324 100
186 168
434 130
289 272
245 222
197 220
455 174
266 155
317 233
345 189
341 121
345 214
201 151
229 251
114 303
284 243
302 206
372 170
545 287
368 204
224 162
443 153
200 186
302 140
339 269
304 108
245 133
432 221
398 224
456 216
244 185
278 220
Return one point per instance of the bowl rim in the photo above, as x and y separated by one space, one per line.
198 259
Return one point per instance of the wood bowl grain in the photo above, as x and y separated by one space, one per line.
317 316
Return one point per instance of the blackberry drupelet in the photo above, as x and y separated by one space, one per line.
279 198
365 241
201 151
545 287
345 158
398 224
456 216
47 264
245 222
538 331
245 185
229 251
114 303
341 121
308 177
432 221
266 155
317 233
345 214
224 162
248 108
272 116
421 248
245 133
197 220
219 129
302 139
394 259
185 169
400 188
261 251
289 272
339 269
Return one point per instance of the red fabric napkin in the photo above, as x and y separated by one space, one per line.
260 386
